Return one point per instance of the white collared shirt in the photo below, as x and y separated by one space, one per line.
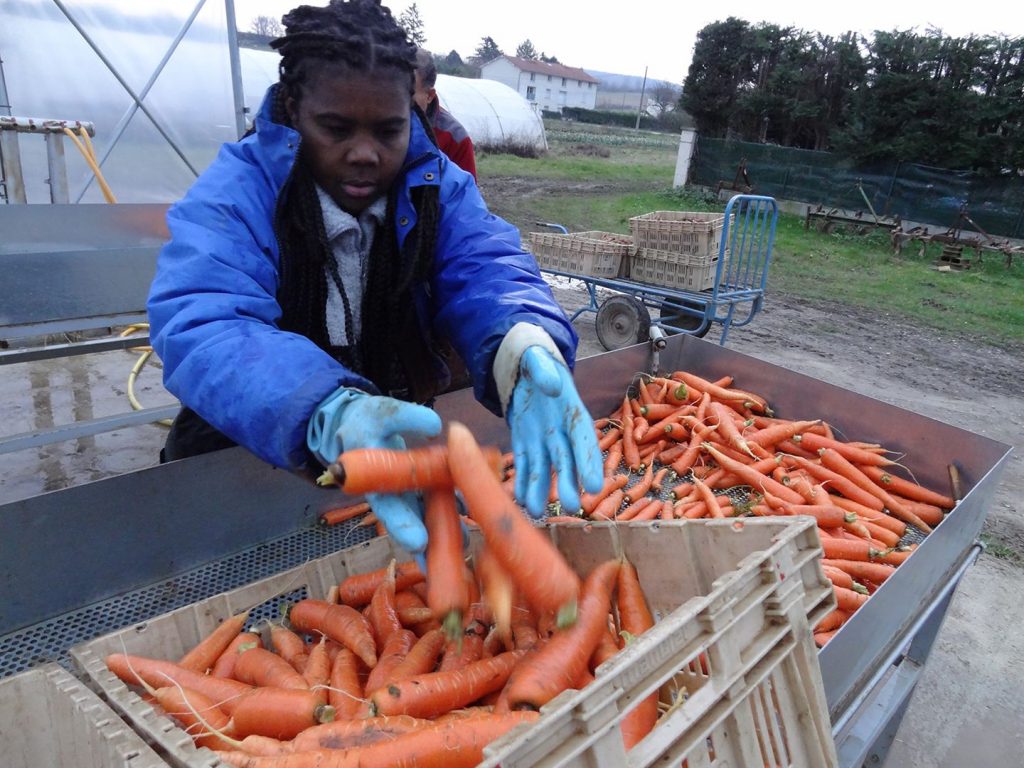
350 240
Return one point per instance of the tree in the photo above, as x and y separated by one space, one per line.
267 26
487 50
526 50
410 21
664 96
549 59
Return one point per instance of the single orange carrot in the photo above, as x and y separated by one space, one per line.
357 590
396 649
225 664
260 667
156 673
280 713
635 618
847 599
318 670
346 691
289 646
557 665
435 693
539 570
498 590
183 705
341 623
205 654
343 514
814 442
908 489
858 569
384 470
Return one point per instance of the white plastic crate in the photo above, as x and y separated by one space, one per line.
668 270
593 253
726 587
48 719
696 233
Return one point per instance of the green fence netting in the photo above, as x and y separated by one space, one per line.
913 192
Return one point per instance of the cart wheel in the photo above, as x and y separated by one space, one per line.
621 322
672 316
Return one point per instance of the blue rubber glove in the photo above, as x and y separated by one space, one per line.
551 428
350 419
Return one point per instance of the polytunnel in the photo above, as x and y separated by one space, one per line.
154 80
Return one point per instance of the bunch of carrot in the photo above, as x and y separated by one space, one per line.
398 669
682 438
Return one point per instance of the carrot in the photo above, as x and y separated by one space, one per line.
649 512
317 673
727 428
182 704
413 616
747 399
708 497
641 487
289 646
912 491
880 533
261 667
357 590
469 646
589 501
630 451
606 648
847 599
435 693
342 514
382 615
341 623
384 470
556 666
858 569
454 743
156 673
536 566
346 734
630 512
346 691
225 664
281 713
867 513
815 443
660 410
205 653
611 461
421 659
609 506
930 513
832 621
635 618
610 438
396 649
838 483
838 463
827 516
838 576
778 432
821 638
752 477
498 590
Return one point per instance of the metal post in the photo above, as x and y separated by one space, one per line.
126 118
124 84
892 186
5 101
14 182
640 108
236 68
58 170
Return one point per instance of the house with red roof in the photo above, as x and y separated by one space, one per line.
550 87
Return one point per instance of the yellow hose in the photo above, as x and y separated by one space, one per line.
147 352
89 154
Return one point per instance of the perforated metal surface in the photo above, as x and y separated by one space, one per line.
51 639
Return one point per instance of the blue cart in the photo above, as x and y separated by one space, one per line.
741 276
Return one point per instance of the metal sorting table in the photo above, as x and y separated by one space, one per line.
87 560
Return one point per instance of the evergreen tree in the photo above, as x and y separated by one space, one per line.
526 50
487 50
412 23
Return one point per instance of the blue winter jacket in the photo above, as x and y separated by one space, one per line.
213 310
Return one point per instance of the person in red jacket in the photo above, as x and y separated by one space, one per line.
452 138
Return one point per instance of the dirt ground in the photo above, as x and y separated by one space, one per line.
969 706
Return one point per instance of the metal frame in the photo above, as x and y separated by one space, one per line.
741 276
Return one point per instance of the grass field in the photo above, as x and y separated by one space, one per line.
986 301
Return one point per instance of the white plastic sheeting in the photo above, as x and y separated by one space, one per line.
51 72
491 112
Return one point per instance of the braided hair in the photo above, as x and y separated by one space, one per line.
355 36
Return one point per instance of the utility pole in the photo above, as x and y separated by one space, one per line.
640 107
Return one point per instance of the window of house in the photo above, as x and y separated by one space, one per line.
531 93
590 85
562 97
563 82
549 78
533 76
547 94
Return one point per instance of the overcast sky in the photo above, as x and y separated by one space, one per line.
659 34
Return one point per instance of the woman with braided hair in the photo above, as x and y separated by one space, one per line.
317 266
